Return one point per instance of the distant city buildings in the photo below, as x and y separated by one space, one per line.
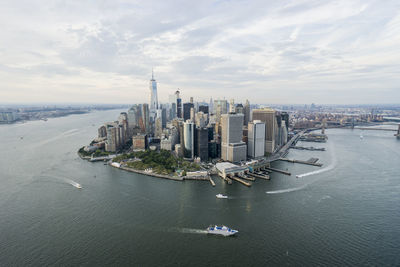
201 131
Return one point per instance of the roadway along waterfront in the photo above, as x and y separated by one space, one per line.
343 213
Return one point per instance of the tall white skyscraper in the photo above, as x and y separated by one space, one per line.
153 95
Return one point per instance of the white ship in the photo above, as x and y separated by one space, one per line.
221 230
221 196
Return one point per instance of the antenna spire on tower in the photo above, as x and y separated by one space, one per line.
152 73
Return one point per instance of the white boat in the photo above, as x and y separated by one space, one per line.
221 196
221 230
78 186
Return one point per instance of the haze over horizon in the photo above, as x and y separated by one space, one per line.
290 52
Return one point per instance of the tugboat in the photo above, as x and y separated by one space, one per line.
221 196
221 230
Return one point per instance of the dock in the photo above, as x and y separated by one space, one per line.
277 170
312 161
212 181
265 177
311 148
241 181
246 177
226 179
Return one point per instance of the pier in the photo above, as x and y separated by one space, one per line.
226 179
246 177
265 177
311 148
312 161
277 170
211 181
241 181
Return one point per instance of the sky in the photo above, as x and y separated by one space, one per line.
277 52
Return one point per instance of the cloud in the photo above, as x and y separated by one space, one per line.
267 51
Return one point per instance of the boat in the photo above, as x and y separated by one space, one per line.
221 230
221 196
78 186
297 176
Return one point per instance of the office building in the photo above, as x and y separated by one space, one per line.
239 109
178 105
153 105
203 109
188 139
186 111
232 106
233 149
256 139
268 116
201 138
220 107
139 142
246 112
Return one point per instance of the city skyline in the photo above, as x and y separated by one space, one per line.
334 52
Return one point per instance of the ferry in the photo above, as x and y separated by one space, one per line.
221 196
221 230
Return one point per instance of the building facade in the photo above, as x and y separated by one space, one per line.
268 116
256 139
233 149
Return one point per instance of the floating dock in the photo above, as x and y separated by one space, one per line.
280 171
312 161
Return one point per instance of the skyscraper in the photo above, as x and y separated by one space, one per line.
256 139
232 106
211 106
188 132
153 95
220 107
203 109
267 115
201 148
233 149
186 110
178 105
246 112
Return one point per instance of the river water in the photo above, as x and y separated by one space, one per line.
344 213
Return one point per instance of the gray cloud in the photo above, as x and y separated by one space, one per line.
279 51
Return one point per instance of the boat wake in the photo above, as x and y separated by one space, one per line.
73 183
328 168
65 134
189 231
286 190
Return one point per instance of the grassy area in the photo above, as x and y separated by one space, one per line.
162 162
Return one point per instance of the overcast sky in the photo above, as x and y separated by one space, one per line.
267 51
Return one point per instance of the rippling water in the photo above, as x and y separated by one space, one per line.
344 213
